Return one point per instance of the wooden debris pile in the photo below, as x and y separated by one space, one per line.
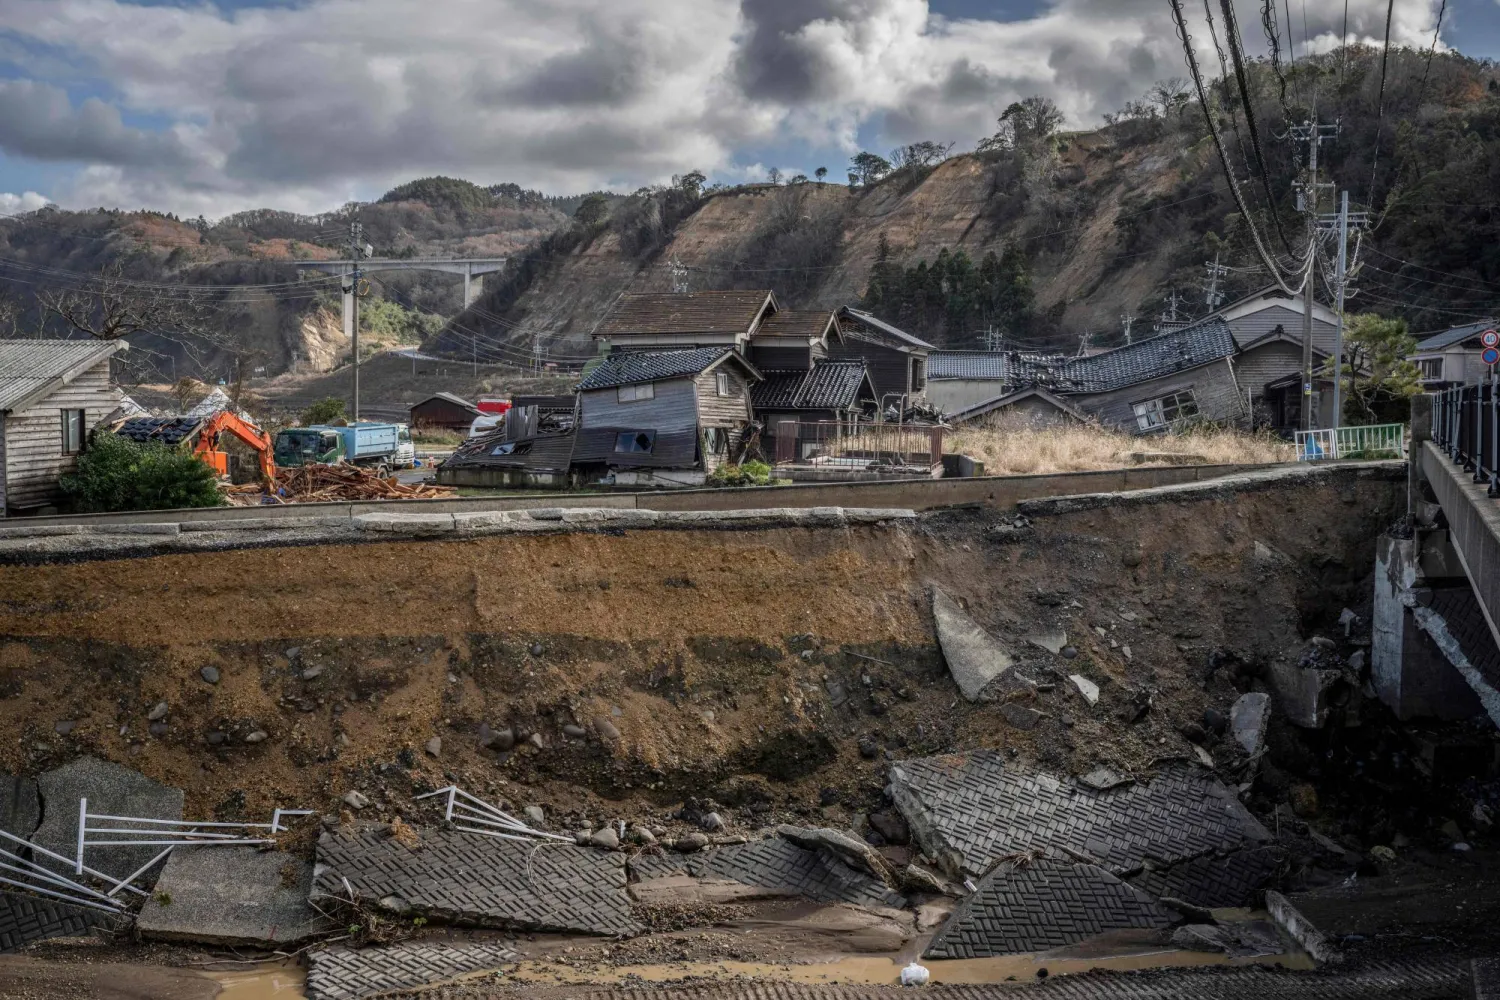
327 483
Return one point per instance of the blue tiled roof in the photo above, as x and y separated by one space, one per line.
1190 347
631 367
1456 335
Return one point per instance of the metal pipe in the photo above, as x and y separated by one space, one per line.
58 895
143 869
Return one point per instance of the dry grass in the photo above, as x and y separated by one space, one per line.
1009 446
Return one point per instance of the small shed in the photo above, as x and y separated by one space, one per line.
53 393
445 411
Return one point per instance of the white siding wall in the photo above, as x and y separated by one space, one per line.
33 447
953 394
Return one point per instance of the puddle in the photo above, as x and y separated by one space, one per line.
285 980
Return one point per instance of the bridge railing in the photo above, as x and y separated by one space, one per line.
1373 441
1466 425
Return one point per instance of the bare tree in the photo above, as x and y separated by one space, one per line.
10 316
112 307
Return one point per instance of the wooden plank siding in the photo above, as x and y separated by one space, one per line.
732 410
782 359
33 447
1267 363
1253 326
1213 385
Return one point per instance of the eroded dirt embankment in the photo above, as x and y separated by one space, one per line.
768 670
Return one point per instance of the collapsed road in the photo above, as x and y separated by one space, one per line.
759 752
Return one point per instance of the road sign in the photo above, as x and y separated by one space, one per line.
1490 338
1491 356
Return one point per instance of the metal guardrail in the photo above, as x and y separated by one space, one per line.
1365 442
1466 426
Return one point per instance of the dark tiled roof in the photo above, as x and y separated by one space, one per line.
544 452
690 312
450 398
830 385
884 330
629 367
1175 351
1456 335
809 323
169 430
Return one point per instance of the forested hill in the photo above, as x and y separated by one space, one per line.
1049 236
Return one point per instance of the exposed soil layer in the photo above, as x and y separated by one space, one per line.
747 667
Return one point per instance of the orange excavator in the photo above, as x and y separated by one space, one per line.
205 436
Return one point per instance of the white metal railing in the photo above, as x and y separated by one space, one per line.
464 808
1373 441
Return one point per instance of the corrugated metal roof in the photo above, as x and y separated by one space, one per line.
1455 335
26 366
1142 361
881 327
685 313
830 385
630 367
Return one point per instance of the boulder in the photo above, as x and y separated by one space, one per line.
1086 687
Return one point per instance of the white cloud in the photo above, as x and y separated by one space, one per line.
15 204
306 106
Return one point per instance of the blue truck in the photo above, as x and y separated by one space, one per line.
382 447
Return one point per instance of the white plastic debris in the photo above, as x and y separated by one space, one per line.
915 975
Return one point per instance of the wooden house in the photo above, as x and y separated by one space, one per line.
1451 358
663 418
53 393
444 411
657 321
794 339
897 361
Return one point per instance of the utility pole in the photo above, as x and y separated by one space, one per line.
994 340
1309 190
1216 271
1340 223
1127 321
358 250
680 284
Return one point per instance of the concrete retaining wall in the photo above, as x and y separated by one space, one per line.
925 494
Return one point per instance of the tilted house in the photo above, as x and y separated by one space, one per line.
52 394
663 417
1142 387
1267 331
897 360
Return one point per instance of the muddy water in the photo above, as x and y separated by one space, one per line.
283 980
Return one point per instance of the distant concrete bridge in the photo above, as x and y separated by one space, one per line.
469 267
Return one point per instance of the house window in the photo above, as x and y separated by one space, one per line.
918 374
1432 369
635 442
72 431
721 382
636 393
1165 411
716 440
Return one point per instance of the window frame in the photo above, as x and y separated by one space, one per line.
721 383
1161 412
1428 375
69 445
638 392
636 435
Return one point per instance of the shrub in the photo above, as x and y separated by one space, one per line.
117 473
749 474
324 411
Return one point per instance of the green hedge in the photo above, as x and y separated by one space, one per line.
117 473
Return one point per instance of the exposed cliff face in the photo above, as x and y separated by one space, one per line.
1060 210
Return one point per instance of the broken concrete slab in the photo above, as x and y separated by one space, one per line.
687 890
847 847
1053 641
1302 693
405 524
970 810
1230 879
1237 940
1102 779
975 658
469 879
1248 718
25 919
20 807
1086 687
354 973
1046 904
112 790
230 896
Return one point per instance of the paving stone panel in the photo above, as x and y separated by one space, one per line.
24 919
644 866
776 863
352 974
471 879
232 895
1045 905
1211 880
111 790
977 805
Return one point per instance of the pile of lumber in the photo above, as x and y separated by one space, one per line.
326 483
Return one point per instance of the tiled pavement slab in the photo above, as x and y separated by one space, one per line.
232 895
775 863
466 878
1045 905
976 804
1212 880
24 919
1432 979
351 974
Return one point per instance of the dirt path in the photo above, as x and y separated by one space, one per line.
23 978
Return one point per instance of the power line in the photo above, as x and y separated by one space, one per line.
1422 91
1385 54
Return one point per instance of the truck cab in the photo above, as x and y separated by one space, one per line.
405 455
298 446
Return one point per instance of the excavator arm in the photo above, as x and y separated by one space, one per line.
207 446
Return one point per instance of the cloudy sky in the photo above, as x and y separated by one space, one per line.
214 106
